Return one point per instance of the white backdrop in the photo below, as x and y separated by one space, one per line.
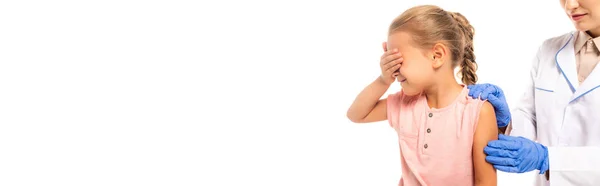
221 93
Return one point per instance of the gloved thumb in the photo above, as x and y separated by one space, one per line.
489 90
505 137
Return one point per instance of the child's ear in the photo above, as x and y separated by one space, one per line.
440 52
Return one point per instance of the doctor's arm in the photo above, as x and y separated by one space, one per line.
568 166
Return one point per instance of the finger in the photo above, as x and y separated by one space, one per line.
499 90
501 122
384 57
507 168
391 51
392 57
506 145
393 64
501 161
496 103
395 74
385 54
506 138
393 69
470 87
490 151
492 99
489 90
473 90
474 93
384 46
483 96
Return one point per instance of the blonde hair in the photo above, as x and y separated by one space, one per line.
429 24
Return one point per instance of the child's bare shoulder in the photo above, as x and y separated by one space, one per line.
487 118
487 108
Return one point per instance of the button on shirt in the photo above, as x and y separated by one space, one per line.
587 55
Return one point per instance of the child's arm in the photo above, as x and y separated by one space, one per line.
367 107
487 130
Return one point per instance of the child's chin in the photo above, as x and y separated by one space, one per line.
409 92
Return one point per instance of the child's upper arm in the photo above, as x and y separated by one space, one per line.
487 130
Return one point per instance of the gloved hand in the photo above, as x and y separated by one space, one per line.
517 154
495 96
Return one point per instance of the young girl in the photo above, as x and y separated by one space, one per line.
441 130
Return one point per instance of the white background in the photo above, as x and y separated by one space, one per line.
223 92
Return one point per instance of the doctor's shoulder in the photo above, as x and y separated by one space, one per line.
548 50
554 44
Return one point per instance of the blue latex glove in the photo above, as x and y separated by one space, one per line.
517 155
495 96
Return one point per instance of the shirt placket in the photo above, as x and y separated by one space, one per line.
587 60
431 117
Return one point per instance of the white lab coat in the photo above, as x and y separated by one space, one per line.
562 114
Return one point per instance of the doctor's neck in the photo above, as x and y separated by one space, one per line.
594 32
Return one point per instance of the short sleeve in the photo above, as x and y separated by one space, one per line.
475 107
393 108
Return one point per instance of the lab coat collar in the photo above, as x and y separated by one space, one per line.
565 60
590 83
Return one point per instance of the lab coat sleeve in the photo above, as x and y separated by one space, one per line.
574 166
523 116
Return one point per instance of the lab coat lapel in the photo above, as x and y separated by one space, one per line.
565 60
590 83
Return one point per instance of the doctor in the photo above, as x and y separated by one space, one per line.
558 116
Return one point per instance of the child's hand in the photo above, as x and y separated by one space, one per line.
390 64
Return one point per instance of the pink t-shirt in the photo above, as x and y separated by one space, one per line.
435 144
